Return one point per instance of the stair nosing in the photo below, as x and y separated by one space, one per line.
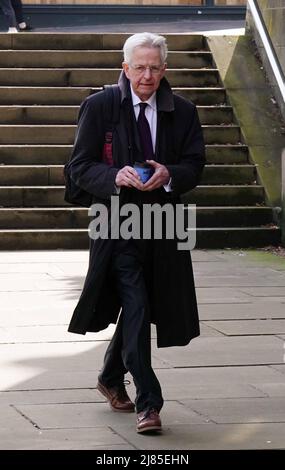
71 208
216 229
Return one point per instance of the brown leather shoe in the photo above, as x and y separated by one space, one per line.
148 420
117 397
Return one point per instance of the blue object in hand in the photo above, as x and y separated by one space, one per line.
144 170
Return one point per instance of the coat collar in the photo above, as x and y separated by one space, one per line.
165 100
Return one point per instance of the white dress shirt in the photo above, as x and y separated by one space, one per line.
151 115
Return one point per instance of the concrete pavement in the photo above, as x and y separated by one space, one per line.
188 25
226 390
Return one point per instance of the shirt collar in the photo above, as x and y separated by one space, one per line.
151 101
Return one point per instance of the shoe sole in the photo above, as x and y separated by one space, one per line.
149 428
102 391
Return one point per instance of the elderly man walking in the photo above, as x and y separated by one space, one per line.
148 280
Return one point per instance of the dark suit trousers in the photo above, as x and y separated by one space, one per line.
130 347
13 12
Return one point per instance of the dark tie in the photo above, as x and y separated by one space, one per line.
145 134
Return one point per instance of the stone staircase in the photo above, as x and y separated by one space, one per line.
44 78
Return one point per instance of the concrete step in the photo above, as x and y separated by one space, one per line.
37 134
203 96
34 154
59 154
229 174
68 114
238 237
27 175
223 134
91 41
75 239
70 217
94 58
64 134
233 216
215 114
227 195
204 195
97 77
75 95
219 153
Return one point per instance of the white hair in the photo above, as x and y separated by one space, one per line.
145 40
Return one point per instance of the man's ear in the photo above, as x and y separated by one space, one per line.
164 69
126 69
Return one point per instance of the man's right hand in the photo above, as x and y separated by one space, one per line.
128 177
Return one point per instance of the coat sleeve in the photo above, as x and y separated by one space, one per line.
186 174
86 167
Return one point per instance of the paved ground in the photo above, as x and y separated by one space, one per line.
211 27
226 390
179 26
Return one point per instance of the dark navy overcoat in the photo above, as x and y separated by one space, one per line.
179 146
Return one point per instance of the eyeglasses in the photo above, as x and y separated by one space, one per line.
141 69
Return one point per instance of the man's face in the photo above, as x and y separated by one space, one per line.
145 71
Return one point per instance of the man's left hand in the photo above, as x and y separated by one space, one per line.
159 178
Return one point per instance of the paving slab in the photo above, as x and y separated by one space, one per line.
30 268
210 437
47 334
37 316
221 295
280 368
269 299
210 380
33 397
244 350
44 256
8 285
242 281
70 269
38 333
243 410
207 330
11 419
53 365
31 379
248 327
184 383
77 415
65 439
204 256
37 300
264 291
209 376
255 310
36 282
221 267
276 389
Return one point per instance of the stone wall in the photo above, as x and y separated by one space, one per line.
273 14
